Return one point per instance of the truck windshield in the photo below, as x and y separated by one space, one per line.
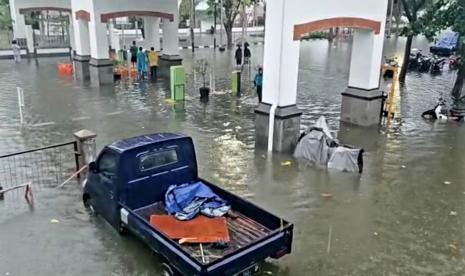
107 164
155 160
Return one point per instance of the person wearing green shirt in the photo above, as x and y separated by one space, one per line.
133 51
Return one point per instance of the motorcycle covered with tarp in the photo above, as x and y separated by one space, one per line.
317 146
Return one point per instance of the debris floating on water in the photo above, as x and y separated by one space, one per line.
403 166
375 234
447 182
54 221
453 213
226 124
286 163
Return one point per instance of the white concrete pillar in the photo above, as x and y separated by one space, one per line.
81 37
152 33
281 57
367 51
113 39
19 24
156 34
280 69
29 38
170 38
98 38
362 101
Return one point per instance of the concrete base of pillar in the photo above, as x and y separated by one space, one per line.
172 58
101 71
81 67
165 62
361 107
286 127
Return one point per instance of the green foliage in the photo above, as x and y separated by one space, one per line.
185 9
444 14
5 18
412 9
231 9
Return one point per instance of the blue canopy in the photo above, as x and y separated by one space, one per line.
187 200
449 40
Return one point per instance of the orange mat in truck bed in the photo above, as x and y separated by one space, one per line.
198 230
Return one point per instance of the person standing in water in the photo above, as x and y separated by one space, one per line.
247 53
141 63
238 55
153 63
16 51
259 83
133 51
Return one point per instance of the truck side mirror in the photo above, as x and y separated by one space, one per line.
93 167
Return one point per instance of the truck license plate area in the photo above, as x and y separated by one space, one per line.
251 270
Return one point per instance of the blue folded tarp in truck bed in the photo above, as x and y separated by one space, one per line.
187 200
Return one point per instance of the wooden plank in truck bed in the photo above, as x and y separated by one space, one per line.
242 231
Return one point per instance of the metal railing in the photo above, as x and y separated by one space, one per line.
42 167
56 41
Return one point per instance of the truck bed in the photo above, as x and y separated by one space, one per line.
242 230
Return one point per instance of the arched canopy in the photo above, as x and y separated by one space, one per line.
34 9
82 14
105 17
351 22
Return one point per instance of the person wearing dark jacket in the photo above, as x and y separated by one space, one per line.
238 55
247 53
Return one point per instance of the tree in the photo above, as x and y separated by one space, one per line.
185 9
5 18
231 9
412 10
444 14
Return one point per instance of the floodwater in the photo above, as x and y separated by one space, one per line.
394 219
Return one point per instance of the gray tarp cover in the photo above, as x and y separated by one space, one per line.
318 147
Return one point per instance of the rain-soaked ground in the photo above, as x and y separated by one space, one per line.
394 219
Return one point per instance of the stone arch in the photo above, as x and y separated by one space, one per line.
82 14
351 22
33 9
105 17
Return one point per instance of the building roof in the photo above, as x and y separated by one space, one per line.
140 141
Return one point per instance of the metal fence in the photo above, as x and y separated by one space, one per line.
43 167
55 41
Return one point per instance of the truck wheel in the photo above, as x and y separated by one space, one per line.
88 205
167 270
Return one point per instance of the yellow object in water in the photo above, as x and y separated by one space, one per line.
286 163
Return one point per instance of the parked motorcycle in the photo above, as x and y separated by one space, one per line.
454 62
414 60
391 62
437 64
425 63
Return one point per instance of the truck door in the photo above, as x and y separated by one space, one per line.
107 201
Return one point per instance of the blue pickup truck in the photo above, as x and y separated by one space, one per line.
127 184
